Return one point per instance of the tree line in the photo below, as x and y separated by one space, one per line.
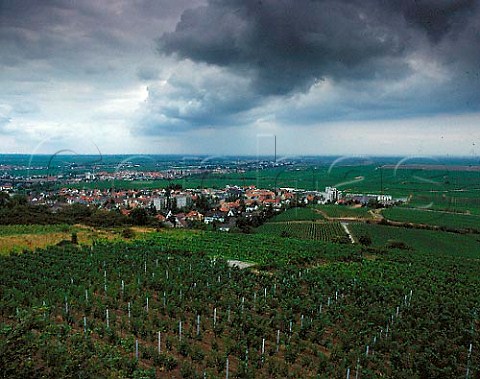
15 210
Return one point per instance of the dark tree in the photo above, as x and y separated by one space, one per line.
4 199
365 240
139 216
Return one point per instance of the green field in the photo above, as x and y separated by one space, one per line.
258 248
430 217
462 201
298 214
420 240
343 211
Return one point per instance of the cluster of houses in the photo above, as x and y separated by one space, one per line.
230 197
219 207
9 177
132 175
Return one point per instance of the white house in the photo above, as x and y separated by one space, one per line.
159 202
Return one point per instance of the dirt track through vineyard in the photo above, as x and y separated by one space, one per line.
345 227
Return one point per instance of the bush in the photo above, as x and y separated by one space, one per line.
187 370
64 243
365 240
128 233
166 361
393 244
197 355
144 374
184 349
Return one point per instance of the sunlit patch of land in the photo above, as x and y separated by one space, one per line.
18 238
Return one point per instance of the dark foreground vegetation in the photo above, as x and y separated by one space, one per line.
172 307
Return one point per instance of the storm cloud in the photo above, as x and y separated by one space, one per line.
436 17
289 45
128 73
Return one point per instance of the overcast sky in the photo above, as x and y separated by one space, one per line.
369 77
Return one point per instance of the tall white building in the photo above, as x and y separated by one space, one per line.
331 194
183 200
160 203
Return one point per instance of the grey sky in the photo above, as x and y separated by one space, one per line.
217 76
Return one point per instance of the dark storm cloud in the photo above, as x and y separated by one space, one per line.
234 63
436 17
285 46
78 30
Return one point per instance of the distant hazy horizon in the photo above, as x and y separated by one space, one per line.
346 159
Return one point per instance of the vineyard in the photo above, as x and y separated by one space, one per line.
146 310
419 240
317 231
265 250
430 217
466 201
343 211
298 214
